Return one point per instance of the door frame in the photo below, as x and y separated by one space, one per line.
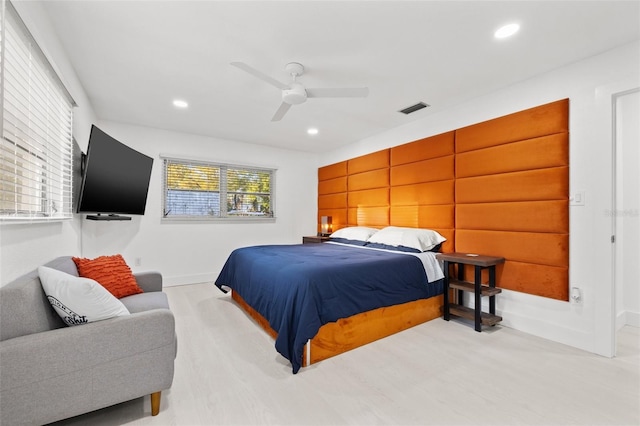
605 307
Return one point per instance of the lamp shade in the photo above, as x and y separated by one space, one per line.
325 225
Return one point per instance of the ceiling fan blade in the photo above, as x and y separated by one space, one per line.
353 92
259 74
284 107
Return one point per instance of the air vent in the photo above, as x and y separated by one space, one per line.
414 108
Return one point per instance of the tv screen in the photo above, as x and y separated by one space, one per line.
115 178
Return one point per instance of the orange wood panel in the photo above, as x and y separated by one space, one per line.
332 186
528 247
332 171
358 330
531 123
376 217
540 280
257 317
429 217
533 185
368 180
538 153
439 192
332 201
365 163
435 169
529 216
349 333
423 149
368 197
449 245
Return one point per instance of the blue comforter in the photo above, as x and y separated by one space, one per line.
298 288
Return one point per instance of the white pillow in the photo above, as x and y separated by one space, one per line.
78 300
420 239
359 233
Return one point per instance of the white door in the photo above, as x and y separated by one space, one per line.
626 213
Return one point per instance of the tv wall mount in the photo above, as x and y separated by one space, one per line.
107 217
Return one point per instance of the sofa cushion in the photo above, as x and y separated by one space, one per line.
112 272
79 300
145 302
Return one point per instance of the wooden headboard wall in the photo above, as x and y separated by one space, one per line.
409 185
422 185
512 197
498 188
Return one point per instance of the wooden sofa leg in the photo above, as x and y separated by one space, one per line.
155 403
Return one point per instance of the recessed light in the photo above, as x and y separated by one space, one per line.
312 131
178 103
506 31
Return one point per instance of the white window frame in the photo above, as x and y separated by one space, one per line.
223 192
36 144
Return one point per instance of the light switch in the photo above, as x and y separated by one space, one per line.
577 199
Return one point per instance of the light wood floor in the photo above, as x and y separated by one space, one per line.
441 373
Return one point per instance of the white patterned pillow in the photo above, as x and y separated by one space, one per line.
78 300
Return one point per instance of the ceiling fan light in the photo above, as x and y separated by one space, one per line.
295 94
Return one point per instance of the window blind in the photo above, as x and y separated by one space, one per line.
36 143
209 191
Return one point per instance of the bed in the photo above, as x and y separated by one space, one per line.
319 300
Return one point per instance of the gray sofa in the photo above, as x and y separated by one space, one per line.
49 371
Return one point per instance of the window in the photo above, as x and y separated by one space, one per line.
209 191
36 143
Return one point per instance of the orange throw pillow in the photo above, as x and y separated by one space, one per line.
112 272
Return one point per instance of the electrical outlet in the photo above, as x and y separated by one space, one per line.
576 295
138 261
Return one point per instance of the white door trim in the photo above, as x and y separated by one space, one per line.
605 293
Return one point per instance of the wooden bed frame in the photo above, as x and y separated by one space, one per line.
349 333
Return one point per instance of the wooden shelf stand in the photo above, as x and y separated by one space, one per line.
476 287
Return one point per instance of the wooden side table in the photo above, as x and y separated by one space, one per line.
314 239
479 262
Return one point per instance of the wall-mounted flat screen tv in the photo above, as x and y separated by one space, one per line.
115 179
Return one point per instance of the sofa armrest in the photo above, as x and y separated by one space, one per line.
149 281
42 356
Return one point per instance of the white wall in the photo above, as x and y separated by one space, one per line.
195 252
23 247
590 171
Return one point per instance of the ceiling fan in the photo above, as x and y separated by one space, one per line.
295 93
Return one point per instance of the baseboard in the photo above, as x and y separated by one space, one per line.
543 317
632 319
548 330
621 320
187 279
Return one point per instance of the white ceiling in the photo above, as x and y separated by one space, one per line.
134 57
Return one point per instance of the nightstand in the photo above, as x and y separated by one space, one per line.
314 239
476 287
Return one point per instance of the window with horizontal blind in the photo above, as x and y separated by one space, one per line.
36 144
196 190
